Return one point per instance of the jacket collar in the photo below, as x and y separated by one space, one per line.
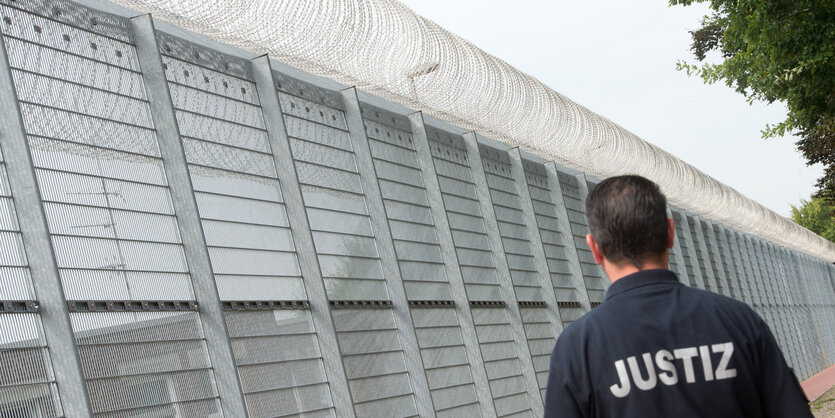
641 278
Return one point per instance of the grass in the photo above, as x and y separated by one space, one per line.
818 404
824 406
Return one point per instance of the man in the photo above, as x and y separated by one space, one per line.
657 348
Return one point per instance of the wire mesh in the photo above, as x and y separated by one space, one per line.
501 361
27 383
445 362
512 229
279 363
595 283
108 208
333 193
407 205
430 69
465 218
553 244
374 362
233 173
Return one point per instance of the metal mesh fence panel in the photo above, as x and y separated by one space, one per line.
431 69
233 174
105 197
726 263
512 229
465 221
407 206
541 337
689 263
279 363
702 260
27 384
332 191
374 361
501 361
353 258
445 361
569 293
575 205
346 247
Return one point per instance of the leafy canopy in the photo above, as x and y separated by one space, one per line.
777 50
816 216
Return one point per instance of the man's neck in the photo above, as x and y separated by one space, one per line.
616 271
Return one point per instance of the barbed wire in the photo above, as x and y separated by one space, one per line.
384 48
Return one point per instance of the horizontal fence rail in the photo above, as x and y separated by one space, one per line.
187 230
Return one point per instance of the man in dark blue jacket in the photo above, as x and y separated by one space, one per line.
657 348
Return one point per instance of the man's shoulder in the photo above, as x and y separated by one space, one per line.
718 300
733 314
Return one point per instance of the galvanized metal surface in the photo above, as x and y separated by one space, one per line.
36 241
487 308
499 258
564 225
299 224
450 258
391 272
188 218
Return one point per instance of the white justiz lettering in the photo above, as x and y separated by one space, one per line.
664 368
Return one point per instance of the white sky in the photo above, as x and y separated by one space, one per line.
618 59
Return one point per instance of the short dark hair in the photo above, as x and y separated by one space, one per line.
628 218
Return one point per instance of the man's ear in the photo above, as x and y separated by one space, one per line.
671 233
595 249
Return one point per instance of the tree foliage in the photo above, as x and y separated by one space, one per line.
777 50
816 216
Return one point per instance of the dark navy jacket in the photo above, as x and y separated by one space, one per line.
658 348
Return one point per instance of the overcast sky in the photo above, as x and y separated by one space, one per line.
618 59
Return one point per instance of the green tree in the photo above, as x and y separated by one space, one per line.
816 216
777 50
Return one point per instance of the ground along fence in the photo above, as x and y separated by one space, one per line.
190 232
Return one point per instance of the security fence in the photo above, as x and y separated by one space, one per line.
190 232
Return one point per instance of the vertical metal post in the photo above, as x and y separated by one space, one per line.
756 281
803 338
752 275
314 284
811 314
744 279
767 282
805 318
830 311
785 304
815 290
188 218
745 272
831 275
810 293
691 250
453 269
38 246
722 238
799 320
583 187
537 248
710 279
717 258
678 254
772 301
391 271
491 225
564 226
